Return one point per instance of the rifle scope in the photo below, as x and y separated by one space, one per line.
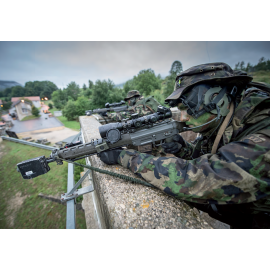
116 104
112 130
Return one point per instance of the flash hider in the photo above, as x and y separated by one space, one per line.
34 167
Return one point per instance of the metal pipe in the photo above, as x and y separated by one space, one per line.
29 143
71 206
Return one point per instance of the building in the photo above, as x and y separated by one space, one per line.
23 108
35 100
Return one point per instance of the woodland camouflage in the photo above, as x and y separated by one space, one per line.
238 173
140 109
219 73
132 93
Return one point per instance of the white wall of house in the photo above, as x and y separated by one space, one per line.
36 104
23 109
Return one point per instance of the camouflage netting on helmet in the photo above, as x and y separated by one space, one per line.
216 73
132 93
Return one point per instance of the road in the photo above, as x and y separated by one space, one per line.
43 122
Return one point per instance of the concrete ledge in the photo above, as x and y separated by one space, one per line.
125 205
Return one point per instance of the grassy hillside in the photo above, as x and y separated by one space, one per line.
20 205
261 76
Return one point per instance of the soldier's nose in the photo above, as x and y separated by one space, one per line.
184 116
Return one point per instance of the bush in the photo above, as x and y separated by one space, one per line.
35 111
50 105
70 111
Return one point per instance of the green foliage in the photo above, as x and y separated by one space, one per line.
169 85
59 99
82 104
36 88
176 68
146 82
35 111
50 105
72 90
87 93
90 84
70 110
159 96
263 64
129 85
6 105
84 86
105 91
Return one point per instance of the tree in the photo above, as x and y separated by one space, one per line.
73 90
50 105
88 92
146 82
59 99
129 85
237 66
35 111
176 68
84 86
70 110
6 105
82 104
102 93
91 84
242 65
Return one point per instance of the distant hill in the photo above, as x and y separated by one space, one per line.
7 84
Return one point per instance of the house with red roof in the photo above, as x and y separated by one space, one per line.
23 107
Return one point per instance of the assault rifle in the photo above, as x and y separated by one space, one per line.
153 129
109 107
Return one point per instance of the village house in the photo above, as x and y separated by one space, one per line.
23 108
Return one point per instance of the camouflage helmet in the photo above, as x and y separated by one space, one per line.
132 93
218 73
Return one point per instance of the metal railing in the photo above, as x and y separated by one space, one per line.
72 191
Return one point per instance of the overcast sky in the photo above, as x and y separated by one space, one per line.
63 62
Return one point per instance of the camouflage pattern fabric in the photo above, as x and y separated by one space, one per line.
140 109
132 93
219 73
238 173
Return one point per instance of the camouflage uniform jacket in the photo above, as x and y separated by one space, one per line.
238 173
140 109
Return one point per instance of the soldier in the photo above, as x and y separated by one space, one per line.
227 173
138 104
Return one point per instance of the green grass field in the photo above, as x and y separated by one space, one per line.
20 206
70 124
261 76
30 117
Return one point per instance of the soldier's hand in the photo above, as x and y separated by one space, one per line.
174 146
110 157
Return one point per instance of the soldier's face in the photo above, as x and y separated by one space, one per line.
131 101
192 122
